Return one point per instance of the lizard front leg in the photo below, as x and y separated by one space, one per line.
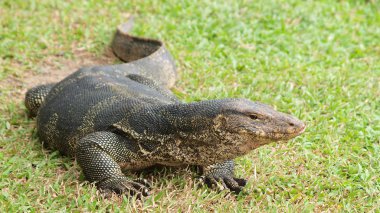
100 154
222 174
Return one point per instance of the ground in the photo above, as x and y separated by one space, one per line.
317 60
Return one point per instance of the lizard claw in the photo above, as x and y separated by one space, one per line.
144 182
123 186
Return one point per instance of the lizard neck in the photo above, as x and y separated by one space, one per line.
169 120
181 133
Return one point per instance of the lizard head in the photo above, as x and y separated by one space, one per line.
205 132
252 124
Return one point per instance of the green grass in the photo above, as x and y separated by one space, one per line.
318 60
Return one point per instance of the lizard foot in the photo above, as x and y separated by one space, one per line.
224 182
123 186
221 175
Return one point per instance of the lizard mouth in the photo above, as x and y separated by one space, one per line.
290 135
285 135
302 130
271 135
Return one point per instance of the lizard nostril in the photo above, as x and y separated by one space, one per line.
291 124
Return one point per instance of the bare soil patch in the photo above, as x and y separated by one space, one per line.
53 69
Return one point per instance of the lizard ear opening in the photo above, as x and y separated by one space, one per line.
219 122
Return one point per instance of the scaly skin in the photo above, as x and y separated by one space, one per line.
124 116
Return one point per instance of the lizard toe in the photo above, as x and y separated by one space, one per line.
144 182
242 182
215 183
232 184
225 182
123 186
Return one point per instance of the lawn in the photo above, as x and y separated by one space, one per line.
317 60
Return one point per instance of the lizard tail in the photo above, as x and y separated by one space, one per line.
149 56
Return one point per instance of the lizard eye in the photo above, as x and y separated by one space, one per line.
253 117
